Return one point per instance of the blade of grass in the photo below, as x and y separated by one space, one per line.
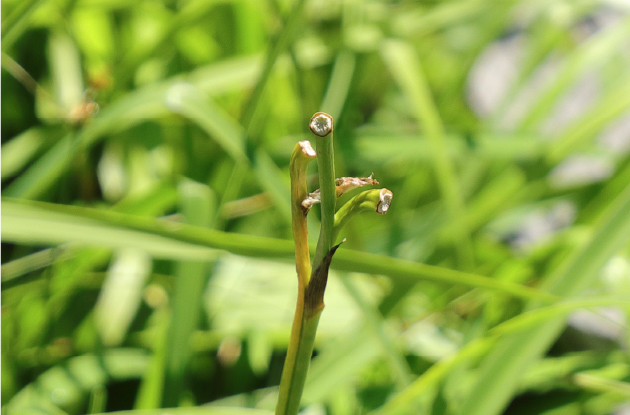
404 65
66 71
495 196
502 369
389 145
591 54
600 384
612 105
374 320
120 296
403 402
20 150
29 263
197 206
133 108
149 394
17 22
190 102
32 222
339 85
420 21
337 363
76 377
285 37
196 410
45 171
340 361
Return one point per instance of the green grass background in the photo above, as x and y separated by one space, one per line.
146 252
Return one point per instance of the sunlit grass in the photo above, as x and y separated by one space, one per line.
147 252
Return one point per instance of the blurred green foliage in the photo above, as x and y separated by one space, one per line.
498 282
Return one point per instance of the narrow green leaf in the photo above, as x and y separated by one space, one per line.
404 64
45 171
613 104
19 150
502 369
590 55
74 379
198 208
43 223
522 324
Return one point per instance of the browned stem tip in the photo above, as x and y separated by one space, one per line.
307 149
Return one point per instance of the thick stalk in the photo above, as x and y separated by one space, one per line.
310 290
294 371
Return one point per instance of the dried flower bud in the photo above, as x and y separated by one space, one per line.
345 184
385 200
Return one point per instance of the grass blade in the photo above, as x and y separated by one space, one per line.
197 206
43 223
503 368
403 63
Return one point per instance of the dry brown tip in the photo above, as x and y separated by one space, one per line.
307 149
385 200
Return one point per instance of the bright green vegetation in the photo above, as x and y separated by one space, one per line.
148 257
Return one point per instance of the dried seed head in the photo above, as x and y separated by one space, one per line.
345 184
385 200
321 124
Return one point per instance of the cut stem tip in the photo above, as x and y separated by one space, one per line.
321 124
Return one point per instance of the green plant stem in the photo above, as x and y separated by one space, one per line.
310 290
291 389
325 164
301 341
